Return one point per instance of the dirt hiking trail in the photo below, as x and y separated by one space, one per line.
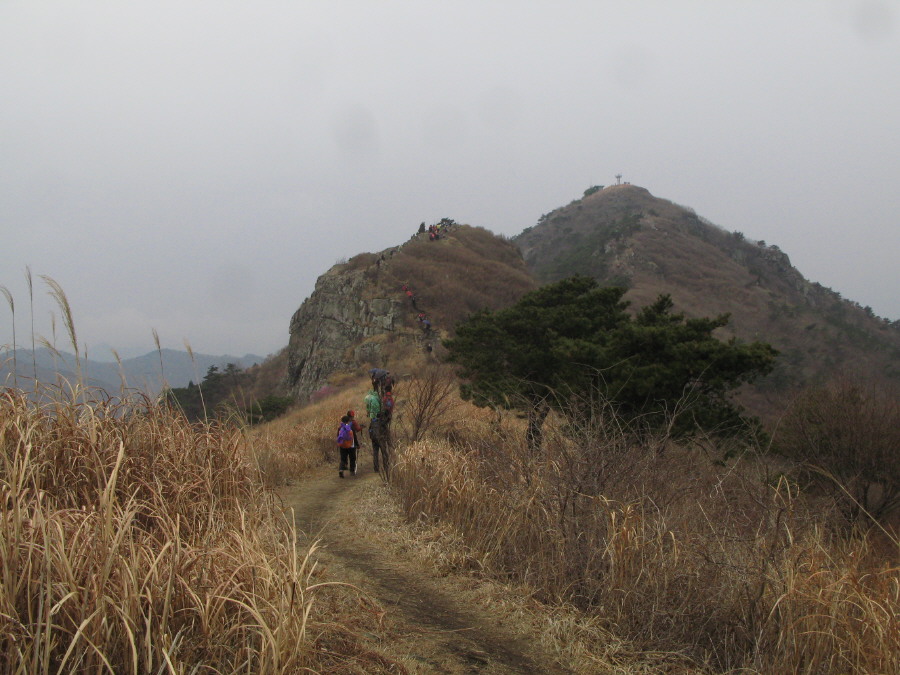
435 626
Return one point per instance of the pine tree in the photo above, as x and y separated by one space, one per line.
574 337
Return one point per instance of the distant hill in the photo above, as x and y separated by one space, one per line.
360 316
147 373
623 235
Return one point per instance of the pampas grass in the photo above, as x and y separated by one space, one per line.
133 542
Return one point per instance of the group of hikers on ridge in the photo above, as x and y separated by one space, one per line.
379 401
438 230
379 404
421 317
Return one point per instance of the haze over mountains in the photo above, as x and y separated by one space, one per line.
147 373
624 235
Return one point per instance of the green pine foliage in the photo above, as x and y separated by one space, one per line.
573 339
224 392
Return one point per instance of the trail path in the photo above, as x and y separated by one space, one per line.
435 629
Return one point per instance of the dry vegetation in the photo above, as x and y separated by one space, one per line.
134 542
671 547
469 270
290 446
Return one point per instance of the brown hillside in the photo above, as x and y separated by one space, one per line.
624 235
467 270
359 315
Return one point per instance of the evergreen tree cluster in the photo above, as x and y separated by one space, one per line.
222 393
575 339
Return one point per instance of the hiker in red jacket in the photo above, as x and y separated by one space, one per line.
356 427
387 406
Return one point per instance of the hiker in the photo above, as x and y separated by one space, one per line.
387 407
373 404
422 228
378 376
426 324
345 447
356 428
380 447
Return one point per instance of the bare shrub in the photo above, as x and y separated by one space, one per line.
429 397
846 435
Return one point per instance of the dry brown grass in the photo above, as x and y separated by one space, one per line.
469 270
134 542
723 562
582 642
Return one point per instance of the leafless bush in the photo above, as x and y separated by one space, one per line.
429 397
847 437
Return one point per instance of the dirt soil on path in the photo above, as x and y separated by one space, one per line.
435 626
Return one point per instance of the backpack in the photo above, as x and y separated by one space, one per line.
345 436
387 404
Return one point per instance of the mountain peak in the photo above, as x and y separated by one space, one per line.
625 236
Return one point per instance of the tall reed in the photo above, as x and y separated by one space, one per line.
133 542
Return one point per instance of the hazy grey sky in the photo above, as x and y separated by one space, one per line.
193 167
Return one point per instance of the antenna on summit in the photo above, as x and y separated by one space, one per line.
618 179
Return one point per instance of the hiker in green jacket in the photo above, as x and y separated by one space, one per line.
373 404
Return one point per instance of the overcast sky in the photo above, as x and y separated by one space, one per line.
193 167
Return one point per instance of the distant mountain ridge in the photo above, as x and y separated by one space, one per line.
147 373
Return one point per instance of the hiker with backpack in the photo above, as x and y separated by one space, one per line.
378 375
345 441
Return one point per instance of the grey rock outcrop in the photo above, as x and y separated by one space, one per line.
333 328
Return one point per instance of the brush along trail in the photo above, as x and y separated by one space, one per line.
432 623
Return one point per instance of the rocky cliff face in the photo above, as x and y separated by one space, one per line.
332 329
360 315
